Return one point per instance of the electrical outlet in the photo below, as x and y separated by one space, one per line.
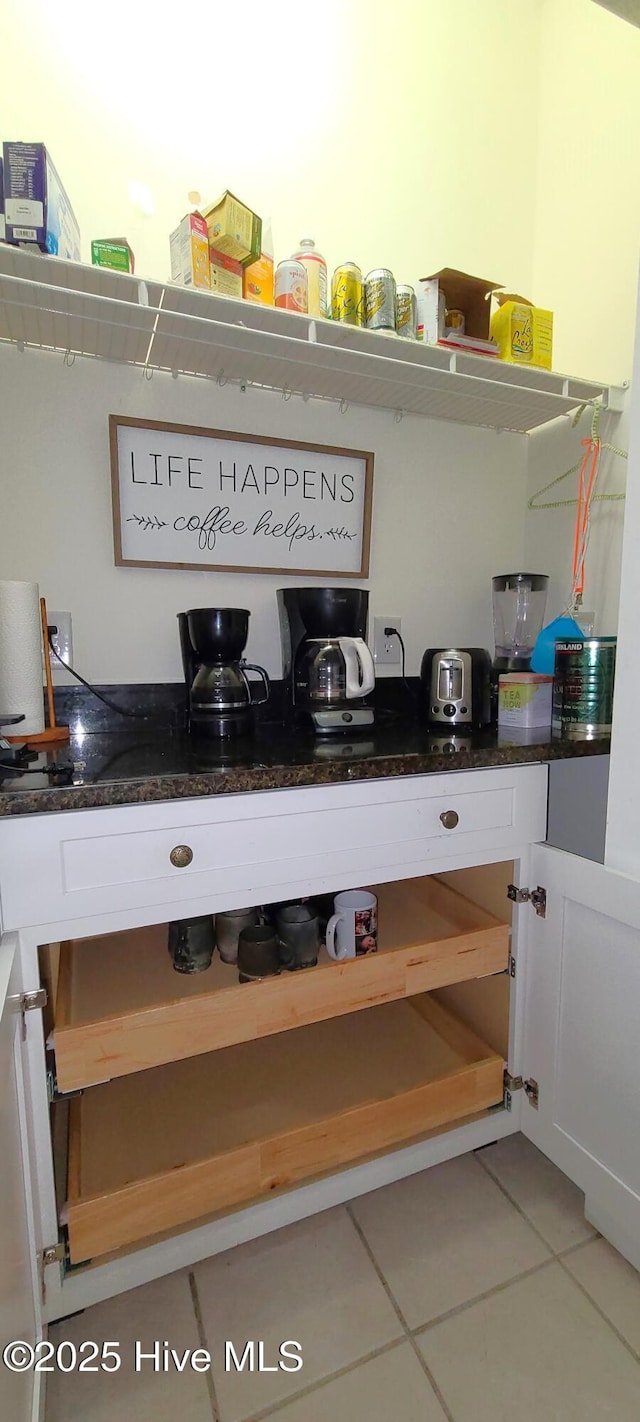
62 639
386 650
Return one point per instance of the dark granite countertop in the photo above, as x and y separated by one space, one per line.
154 759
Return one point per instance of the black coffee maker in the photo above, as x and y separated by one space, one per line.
327 667
219 694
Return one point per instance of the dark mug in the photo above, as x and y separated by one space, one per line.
259 954
191 943
299 931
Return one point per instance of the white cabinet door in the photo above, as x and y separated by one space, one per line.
582 1036
20 1316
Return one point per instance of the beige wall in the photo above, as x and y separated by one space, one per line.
447 513
587 230
500 136
343 117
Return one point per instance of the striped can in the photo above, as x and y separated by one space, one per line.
406 313
347 295
583 687
380 300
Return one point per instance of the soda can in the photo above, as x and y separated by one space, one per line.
291 286
583 687
347 295
406 313
380 300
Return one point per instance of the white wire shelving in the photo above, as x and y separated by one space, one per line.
83 310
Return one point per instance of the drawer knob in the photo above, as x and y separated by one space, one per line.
181 856
449 818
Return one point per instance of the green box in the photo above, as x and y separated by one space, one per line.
116 255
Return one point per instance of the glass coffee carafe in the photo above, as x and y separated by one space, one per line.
334 670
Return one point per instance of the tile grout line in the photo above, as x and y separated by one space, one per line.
211 1387
401 1318
555 1253
480 1298
620 1336
558 1256
307 1391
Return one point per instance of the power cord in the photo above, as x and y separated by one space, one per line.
135 715
393 632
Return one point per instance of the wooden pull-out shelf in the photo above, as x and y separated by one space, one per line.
122 1008
160 1149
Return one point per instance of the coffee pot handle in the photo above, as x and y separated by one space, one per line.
250 666
358 661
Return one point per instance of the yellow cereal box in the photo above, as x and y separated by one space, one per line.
523 333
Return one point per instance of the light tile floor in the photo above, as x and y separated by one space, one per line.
475 1291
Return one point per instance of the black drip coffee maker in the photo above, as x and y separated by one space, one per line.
219 694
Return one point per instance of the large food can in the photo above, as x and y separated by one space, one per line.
347 295
583 687
406 313
291 286
380 300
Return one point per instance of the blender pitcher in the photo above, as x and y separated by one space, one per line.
519 601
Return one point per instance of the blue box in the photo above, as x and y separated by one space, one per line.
1 205
37 210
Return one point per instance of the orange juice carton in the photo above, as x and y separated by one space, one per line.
189 248
234 229
523 332
226 274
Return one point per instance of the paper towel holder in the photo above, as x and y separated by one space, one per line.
53 734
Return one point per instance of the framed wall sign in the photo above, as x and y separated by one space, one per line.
185 497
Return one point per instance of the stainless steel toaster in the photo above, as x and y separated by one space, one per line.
456 686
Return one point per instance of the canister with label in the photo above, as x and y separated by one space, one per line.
583 687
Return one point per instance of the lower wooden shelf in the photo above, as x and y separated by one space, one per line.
122 1008
157 1150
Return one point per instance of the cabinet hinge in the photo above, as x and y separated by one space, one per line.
28 1002
511 966
533 1092
509 1084
54 1254
536 897
516 1083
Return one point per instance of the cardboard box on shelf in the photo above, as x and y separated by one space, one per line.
36 207
189 250
226 274
234 230
523 332
1 203
449 290
113 252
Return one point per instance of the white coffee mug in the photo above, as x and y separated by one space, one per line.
352 931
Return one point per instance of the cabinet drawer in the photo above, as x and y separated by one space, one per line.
121 1008
243 848
238 1124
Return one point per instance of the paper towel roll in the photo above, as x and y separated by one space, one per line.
21 657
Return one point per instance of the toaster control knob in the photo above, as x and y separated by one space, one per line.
449 710
449 818
181 856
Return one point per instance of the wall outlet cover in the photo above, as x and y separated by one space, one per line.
386 650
